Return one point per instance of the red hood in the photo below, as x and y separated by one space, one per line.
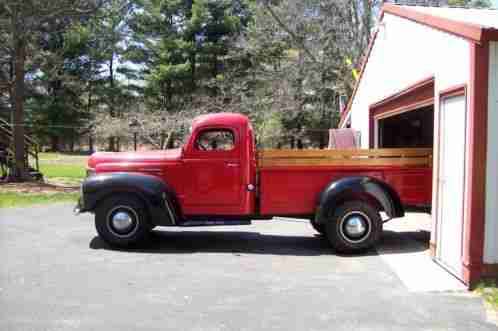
151 157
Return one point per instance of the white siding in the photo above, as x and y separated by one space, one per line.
491 228
404 53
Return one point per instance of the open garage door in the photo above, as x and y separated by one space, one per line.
404 119
410 129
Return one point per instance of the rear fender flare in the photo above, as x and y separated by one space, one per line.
363 188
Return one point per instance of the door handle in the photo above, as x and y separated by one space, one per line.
232 164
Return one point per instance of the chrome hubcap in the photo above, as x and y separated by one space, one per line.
355 226
122 221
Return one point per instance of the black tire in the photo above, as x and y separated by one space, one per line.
337 231
139 229
320 228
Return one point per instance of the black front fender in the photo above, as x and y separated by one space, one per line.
159 199
359 188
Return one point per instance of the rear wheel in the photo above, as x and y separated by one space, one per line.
122 221
353 227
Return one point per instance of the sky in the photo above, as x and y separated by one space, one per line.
495 3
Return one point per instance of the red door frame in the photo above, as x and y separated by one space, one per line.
410 98
476 164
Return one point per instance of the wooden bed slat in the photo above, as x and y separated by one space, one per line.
349 157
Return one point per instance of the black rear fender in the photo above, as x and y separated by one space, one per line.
158 197
376 192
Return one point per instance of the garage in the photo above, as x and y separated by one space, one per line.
429 79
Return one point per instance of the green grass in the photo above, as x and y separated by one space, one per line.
489 291
64 168
14 199
48 156
58 170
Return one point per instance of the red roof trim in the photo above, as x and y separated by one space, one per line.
420 84
356 86
469 31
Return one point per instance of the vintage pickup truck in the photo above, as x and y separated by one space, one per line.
219 178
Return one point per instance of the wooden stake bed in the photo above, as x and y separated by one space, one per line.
399 157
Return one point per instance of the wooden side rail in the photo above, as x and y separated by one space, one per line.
345 157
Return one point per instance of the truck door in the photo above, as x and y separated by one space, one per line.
213 163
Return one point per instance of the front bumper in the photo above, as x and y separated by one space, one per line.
80 205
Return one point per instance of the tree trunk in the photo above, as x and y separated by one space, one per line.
90 143
71 142
300 144
323 140
112 145
162 142
171 140
20 171
111 84
54 142
112 140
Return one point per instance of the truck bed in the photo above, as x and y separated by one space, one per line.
291 180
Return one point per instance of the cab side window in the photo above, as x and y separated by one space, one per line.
215 140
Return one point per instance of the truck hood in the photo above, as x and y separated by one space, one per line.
130 158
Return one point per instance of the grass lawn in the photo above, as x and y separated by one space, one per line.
17 199
63 168
59 169
489 291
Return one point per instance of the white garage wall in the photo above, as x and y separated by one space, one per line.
404 53
491 228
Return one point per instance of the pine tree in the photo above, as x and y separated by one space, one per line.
23 20
182 45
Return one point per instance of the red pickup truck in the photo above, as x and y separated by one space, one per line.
219 178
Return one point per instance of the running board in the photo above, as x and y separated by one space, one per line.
214 222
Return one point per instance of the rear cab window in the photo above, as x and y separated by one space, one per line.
213 140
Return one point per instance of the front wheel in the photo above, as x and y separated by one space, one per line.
354 226
122 221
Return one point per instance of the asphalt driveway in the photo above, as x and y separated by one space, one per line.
55 274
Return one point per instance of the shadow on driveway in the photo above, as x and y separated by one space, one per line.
246 242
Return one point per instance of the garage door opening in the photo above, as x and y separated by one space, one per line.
410 129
